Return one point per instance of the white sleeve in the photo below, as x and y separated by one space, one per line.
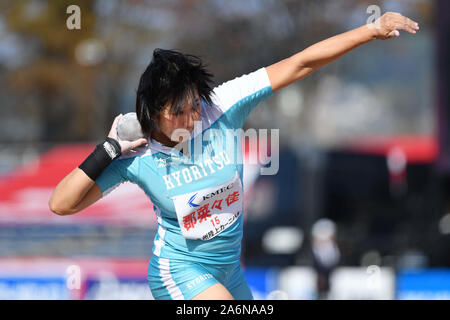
237 98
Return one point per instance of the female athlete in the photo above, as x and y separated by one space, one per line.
197 195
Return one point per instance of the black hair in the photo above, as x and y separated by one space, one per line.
171 77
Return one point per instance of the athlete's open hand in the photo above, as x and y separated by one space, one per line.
390 24
124 145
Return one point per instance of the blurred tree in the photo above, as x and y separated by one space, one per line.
64 89
78 101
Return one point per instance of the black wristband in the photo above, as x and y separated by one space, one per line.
103 154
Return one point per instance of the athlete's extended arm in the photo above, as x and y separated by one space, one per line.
77 190
298 66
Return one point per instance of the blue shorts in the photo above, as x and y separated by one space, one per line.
176 279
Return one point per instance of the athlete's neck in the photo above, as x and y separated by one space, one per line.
162 138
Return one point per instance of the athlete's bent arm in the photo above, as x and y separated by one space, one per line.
78 190
298 66
74 193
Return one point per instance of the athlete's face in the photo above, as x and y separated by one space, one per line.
169 122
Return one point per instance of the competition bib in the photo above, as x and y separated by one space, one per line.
205 213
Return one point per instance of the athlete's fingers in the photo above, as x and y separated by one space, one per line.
130 145
113 132
406 24
394 33
413 24
405 20
391 23
116 120
138 143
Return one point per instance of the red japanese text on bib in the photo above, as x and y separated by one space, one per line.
205 213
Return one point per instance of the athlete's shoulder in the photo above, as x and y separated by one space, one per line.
245 87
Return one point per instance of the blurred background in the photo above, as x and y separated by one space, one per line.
358 210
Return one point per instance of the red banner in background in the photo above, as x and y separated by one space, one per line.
25 192
417 148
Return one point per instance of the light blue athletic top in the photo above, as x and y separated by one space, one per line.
203 186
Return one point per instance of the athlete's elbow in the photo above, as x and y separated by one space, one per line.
57 208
